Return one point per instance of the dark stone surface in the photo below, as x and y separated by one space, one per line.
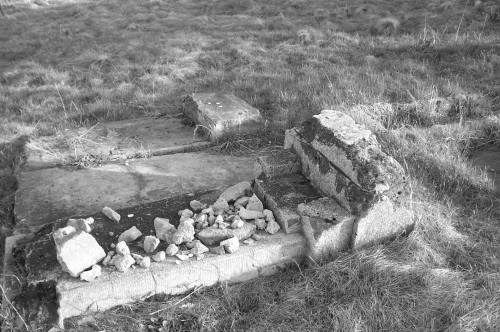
39 256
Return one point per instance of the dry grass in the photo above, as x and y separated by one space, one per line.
68 64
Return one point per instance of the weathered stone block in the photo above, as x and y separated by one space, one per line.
353 150
76 250
220 114
383 221
282 194
280 163
327 227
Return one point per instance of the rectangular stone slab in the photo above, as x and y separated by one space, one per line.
221 114
49 194
116 140
282 195
113 288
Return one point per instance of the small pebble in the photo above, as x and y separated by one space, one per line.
160 256
130 215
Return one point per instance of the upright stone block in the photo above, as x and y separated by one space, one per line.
219 114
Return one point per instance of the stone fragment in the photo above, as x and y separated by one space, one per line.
81 224
131 234
198 248
272 227
254 204
209 211
108 258
185 214
211 220
182 257
91 274
260 223
325 239
218 250
142 261
220 206
249 214
258 237
122 262
111 214
268 215
236 191
171 250
163 229
131 215
122 248
248 241
76 250
160 256
237 223
211 235
196 205
151 243
200 257
231 245
185 232
245 231
242 201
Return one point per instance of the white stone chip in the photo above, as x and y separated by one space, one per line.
131 234
260 223
171 250
108 258
151 243
91 274
272 227
231 245
122 262
111 214
122 248
160 256
76 250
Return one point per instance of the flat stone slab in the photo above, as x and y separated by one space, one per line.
48 194
263 257
115 140
219 114
282 195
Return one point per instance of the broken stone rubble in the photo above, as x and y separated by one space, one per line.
131 234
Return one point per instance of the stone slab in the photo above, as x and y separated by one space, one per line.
117 140
383 221
354 150
219 114
327 178
48 194
278 163
282 195
114 288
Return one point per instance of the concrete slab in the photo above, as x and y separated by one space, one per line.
48 194
219 114
116 140
113 288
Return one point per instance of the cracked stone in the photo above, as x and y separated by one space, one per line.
151 243
111 214
131 234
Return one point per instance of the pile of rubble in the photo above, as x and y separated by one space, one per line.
235 216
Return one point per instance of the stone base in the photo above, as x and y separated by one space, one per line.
221 114
260 258
382 222
282 195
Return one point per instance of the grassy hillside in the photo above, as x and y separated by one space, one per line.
66 64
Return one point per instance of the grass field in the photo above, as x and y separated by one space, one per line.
66 64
